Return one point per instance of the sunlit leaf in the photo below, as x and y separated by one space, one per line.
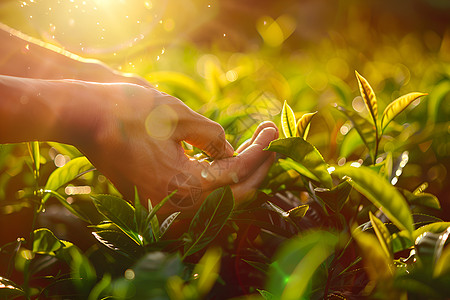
303 124
400 241
9 289
380 192
265 295
375 260
397 106
141 214
83 273
289 164
100 288
167 223
366 130
352 141
45 242
296 262
71 170
443 264
208 270
120 212
436 227
209 219
287 120
298 212
306 154
369 97
422 199
33 147
382 234
65 149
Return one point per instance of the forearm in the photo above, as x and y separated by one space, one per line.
23 56
46 110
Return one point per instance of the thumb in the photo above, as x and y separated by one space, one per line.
208 136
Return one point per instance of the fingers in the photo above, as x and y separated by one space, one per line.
234 169
208 136
261 127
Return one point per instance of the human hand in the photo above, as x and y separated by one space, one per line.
136 141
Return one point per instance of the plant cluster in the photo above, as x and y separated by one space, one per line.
315 230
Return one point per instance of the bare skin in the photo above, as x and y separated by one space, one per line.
131 132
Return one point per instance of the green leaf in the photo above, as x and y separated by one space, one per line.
45 242
65 149
376 262
120 212
100 288
366 130
336 197
287 120
296 262
208 270
352 141
152 219
167 223
302 127
422 199
397 106
443 264
71 170
298 212
382 234
141 214
306 154
380 192
119 241
289 164
436 227
265 295
33 147
209 219
9 289
83 273
369 97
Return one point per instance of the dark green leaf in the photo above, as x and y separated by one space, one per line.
141 214
45 242
120 212
306 154
83 272
380 192
209 219
440 93
336 197
119 241
9 289
298 212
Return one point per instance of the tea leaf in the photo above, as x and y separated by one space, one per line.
443 264
296 262
397 106
298 212
302 127
374 259
209 219
9 289
439 94
382 234
167 222
436 227
33 147
305 154
287 120
45 242
120 212
336 197
379 192
71 170
366 130
369 97
118 241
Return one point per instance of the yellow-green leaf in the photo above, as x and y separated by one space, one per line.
302 127
287 120
376 263
382 233
368 96
397 106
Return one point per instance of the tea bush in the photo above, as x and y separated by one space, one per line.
355 206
